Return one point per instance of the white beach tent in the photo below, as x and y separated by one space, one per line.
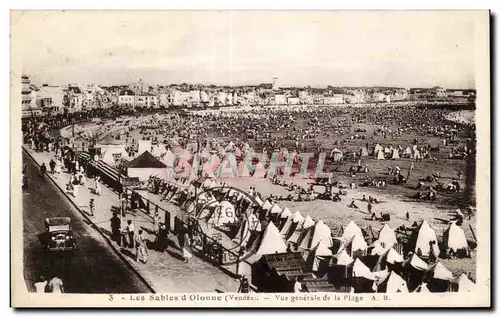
425 235
320 252
395 154
286 213
322 233
380 155
377 149
440 272
308 222
343 258
275 209
387 236
296 220
350 230
353 244
416 262
271 242
454 238
407 151
393 283
359 269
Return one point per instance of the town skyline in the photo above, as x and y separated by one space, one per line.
236 48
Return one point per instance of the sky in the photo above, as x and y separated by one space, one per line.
308 48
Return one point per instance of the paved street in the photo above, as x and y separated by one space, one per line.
93 268
165 271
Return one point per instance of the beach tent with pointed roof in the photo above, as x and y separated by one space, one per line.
377 248
465 285
144 166
390 256
271 243
440 272
416 155
380 155
377 149
286 213
454 238
343 258
354 245
359 269
387 236
363 151
350 230
267 205
305 238
407 151
308 222
318 254
275 209
322 233
425 235
439 278
416 262
393 283
292 223
395 154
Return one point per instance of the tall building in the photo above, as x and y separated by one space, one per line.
25 92
275 83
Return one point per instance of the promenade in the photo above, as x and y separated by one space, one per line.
164 272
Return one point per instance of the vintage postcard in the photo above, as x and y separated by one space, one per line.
250 159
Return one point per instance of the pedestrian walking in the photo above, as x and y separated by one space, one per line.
130 234
76 185
156 222
91 207
186 248
161 241
43 169
116 226
40 285
97 190
52 165
141 249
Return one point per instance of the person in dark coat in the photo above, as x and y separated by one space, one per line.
116 228
43 169
52 165
161 241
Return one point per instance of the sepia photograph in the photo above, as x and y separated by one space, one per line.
250 158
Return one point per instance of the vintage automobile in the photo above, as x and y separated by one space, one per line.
58 234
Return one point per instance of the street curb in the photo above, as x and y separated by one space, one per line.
144 279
